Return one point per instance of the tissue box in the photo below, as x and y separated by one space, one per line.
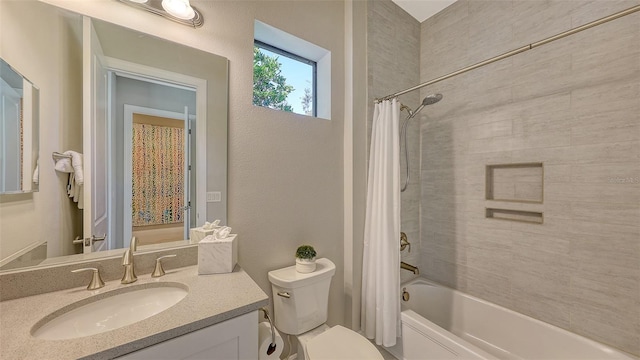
217 256
197 234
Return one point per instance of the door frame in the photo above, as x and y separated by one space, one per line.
96 213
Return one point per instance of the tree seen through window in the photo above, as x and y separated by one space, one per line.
283 81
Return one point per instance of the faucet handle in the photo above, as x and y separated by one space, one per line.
159 271
96 281
404 242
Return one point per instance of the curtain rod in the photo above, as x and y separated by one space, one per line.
517 51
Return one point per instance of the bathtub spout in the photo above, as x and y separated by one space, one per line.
413 269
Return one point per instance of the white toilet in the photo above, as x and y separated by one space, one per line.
301 302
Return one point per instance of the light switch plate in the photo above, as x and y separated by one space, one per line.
214 196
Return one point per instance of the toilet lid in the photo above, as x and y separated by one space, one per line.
341 343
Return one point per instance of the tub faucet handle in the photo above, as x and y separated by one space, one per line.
404 242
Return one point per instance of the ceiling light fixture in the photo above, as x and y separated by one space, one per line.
177 10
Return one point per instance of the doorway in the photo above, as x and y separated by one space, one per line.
159 199
156 176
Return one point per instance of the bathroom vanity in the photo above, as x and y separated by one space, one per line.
216 319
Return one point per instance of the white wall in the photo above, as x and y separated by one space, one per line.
58 99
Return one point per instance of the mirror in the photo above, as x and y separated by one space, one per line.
18 132
111 94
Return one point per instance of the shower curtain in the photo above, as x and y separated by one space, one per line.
380 311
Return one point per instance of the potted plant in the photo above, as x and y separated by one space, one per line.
305 259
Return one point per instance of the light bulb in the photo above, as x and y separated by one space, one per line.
179 8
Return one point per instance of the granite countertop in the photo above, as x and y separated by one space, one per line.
211 299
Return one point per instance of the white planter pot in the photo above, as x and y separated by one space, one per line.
305 266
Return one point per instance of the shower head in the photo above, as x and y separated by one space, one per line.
428 100
431 99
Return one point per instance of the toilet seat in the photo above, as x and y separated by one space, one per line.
341 343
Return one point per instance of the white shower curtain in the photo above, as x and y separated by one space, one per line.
380 311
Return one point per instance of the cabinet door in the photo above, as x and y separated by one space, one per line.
234 339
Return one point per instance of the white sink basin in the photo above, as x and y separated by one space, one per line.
124 307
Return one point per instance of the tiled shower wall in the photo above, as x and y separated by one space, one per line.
393 53
573 105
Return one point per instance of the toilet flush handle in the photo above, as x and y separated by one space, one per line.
284 294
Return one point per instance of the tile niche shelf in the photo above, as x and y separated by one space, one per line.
532 217
520 183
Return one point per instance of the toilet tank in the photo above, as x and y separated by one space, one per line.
301 301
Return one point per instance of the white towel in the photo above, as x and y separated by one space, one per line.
80 197
36 173
71 185
76 162
75 191
71 165
64 165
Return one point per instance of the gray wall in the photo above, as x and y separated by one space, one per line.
393 53
573 105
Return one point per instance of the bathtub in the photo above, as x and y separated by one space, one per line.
442 323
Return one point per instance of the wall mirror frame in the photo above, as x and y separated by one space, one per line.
19 120
135 57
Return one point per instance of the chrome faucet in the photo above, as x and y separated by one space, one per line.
128 263
413 269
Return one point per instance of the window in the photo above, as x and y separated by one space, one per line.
282 80
290 74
